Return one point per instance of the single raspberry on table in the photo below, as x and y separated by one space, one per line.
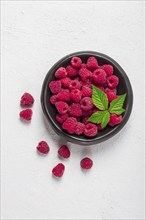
87 91
26 114
112 81
111 96
76 95
86 163
108 69
61 118
64 95
71 72
61 73
85 74
90 130
75 110
53 99
27 99
115 120
76 62
99 77
64 152
74 84
86 103
70 124
92 63
79 128
65 82
62 107
43 147
58 170
55 86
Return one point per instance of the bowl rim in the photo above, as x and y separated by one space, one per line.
93 140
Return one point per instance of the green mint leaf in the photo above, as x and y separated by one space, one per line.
105 119
118 111
99 98
96 117
117 104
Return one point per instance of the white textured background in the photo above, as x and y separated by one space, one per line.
34 36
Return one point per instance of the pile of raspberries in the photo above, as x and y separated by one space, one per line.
72 94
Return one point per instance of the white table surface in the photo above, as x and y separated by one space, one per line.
34 36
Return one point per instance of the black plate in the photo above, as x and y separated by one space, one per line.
123 87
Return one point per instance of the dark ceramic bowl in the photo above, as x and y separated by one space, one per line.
123 87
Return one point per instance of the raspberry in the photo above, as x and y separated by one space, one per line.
79 128
92 63
70 125
86 163
87 91
84 74
61 73
114 119
55 86
27 99
111 90
74 84
64 152
108 69
58 170
112 81
75 110
87 83
65 82
86 103
76 62
99 77
62 107
61 118
71 72
64 95
111 96
76 95
90 130
53 99
26 114
83 65
43 147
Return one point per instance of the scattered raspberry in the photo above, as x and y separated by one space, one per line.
70 125
76 95
108 69
53 99
64 95
76 62
115 120
112 81
79 128
84 74
26 114
75 110
55 86
111 90
111 96
74 84
86 103
58 170
43 147
61 73
99 77
61 118
90 130
65 82
27 100
64 152
62 107
71 72
86 163
92 63
87 91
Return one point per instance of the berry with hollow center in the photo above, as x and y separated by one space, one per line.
92 63
86 103
62 107
112 81
90 130
61 73
76 62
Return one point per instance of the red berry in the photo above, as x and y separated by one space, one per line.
65 82
55 86
27 99
76 95
87 91
85 74
79 128
86 103
85 120
62 107
114 119
64 95
64 151
61 118
92 63
53 99
76 62
43 147
61 73
74 84
108 69
71 72
58 170
26 114
69 125
86 163
99 77
75 110
111 90
111 96
112 81
90 130
83 65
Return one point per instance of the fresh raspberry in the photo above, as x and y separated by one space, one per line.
87 91
75 110
111 90
61 73
70 125
99 77
71 72
26 114
61 118
53 99
76 62
111 96
43 147
112 81
55 86
65 82
27 99
64 95
74 84
76 95
84 74
108 69
86 103
87 113
88 83
85 120
83 65
79 128
90 130
86 163
58 170
92 63
115 120
62 107
64 152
